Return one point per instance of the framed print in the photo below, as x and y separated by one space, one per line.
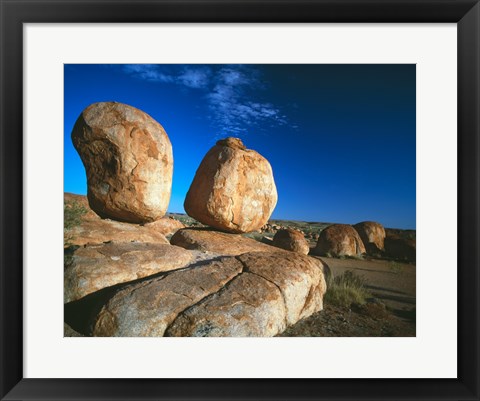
352 128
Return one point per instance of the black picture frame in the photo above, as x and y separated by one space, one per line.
14 13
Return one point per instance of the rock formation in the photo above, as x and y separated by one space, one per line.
165 225
128 160
255 294
291 240
95 267
339 240
233 189
217 242
372 235
94 230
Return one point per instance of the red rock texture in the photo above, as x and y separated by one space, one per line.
339 240
128 160
291 240
372 235
233 189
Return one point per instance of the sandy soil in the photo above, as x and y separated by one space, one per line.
390 312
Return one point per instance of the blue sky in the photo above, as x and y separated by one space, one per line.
340 138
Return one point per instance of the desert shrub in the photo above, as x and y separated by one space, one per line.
72 214
396 268
346 289
72 217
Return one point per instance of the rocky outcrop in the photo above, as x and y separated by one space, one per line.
233 189
217 242
165 225
148 308
255 294
372 235
91 229
291 240
249 307
100 231
339 240
93 268
128 160
299 278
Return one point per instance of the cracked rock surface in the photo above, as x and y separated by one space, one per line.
128 160
233 189
254 294
148 308
99 266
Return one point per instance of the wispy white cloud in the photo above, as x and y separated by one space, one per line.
148 72
234 102
232 94
197 78
191 76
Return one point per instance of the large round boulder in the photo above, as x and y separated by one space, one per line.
291 240
128 159
372 235
340 240
233 189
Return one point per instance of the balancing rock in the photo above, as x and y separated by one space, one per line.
233 189
128 160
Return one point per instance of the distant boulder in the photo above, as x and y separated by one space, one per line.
128 160
233 189
339 240
291 240
372 235
401 248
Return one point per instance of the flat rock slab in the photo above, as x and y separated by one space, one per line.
101 231
92 229
256 294
93 268
218 242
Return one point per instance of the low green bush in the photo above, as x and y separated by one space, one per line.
396 268
72 214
